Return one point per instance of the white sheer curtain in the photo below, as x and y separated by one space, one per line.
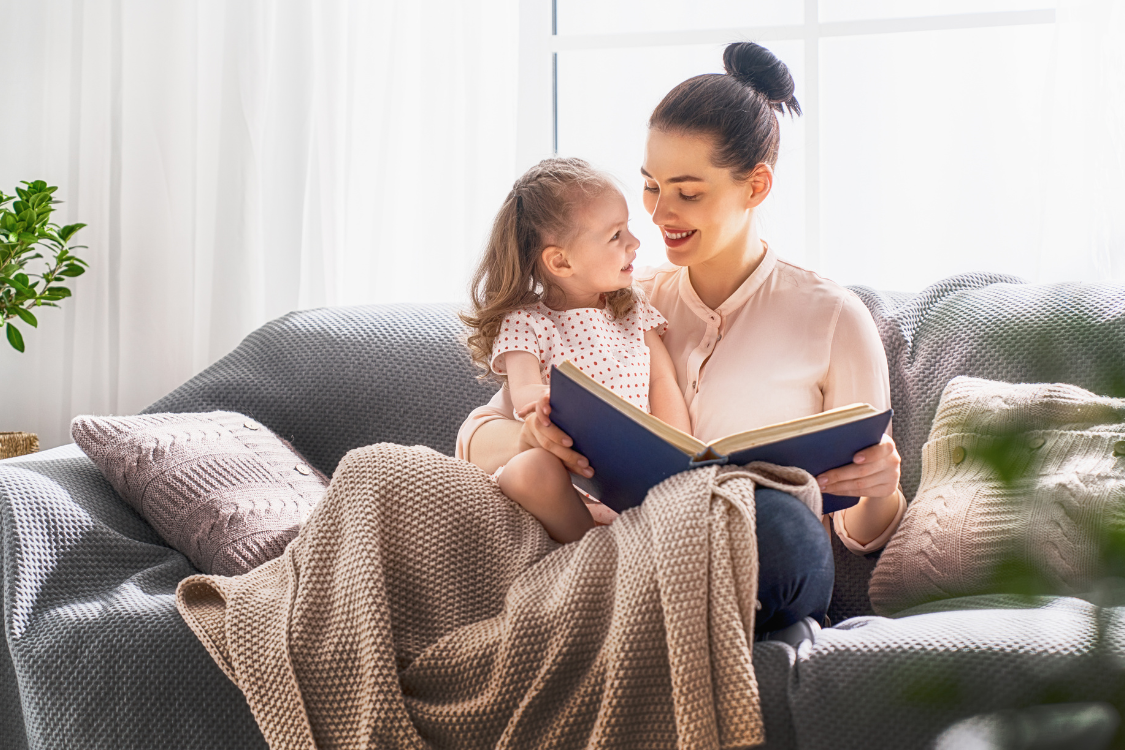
238 159
1083 234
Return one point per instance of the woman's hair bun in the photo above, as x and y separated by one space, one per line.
755 66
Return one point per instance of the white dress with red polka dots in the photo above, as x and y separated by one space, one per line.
611 351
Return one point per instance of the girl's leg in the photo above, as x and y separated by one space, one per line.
539 482
796 572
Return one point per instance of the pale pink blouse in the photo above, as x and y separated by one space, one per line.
786 344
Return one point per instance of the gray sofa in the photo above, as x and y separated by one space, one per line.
97 656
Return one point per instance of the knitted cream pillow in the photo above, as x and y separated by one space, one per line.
218 487
1014 477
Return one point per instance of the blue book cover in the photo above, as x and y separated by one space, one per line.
632 451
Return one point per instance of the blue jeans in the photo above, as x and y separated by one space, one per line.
796 572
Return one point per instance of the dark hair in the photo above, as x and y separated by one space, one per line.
737 109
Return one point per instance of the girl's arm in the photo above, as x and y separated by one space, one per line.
665 400
524 381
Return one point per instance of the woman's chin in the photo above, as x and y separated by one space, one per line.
679 256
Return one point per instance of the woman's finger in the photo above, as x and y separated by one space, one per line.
876 485
880 450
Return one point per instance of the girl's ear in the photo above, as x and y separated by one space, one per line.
555 261
758 185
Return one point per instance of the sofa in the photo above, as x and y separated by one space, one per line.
97 656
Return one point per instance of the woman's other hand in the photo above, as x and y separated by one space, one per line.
539 432
875 472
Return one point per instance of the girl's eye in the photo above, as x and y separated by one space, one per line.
687 197
615 236
651 189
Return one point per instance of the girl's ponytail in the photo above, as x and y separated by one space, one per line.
538 212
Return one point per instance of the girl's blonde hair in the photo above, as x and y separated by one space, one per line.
538 212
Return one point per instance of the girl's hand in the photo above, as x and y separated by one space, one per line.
539 432
874 473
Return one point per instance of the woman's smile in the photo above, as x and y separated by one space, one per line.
677 237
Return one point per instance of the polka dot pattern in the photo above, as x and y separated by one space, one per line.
611 351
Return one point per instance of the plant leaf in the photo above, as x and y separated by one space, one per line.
15 338
68 231
27 317
57 292
73 270
16 284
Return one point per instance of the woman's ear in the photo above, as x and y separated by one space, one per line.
555 261
758 185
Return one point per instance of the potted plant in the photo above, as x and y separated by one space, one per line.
27 234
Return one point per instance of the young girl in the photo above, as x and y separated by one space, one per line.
556 283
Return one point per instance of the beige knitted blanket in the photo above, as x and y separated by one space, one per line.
419 607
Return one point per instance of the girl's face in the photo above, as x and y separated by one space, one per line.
600 257
701 210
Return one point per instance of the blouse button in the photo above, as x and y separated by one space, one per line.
1119 448
302 469
958 454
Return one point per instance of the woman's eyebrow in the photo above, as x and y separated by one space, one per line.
673 180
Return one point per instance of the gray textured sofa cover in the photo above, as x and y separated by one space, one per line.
97 657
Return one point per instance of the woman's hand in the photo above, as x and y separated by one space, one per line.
539 432
874 473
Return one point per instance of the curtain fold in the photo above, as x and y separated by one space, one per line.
1083 212
238 159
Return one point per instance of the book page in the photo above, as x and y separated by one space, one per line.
794 427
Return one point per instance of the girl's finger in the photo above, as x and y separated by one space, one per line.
551 433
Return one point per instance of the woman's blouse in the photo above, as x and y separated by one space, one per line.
786 344
610 350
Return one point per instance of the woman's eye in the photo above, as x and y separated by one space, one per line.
651 189
687 197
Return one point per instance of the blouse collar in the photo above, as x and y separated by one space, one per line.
740 295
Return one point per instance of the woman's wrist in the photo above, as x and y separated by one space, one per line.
870 518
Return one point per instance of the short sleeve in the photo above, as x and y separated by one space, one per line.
518 333
650 319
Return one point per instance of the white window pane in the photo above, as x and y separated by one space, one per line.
628 16
852 10
606 98
930 151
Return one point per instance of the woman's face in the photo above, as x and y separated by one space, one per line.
701 210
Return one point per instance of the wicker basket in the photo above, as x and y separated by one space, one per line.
14 444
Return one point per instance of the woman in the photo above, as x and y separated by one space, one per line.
754 339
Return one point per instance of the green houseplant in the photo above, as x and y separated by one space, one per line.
27 234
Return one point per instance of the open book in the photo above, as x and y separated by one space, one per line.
632 451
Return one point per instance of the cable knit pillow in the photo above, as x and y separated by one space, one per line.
219 487
1016 480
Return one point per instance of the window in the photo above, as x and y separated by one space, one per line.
919 154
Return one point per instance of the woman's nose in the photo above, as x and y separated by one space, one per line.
660 214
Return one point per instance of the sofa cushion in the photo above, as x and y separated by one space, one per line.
99 656
219 487
983 325
1020 484
334 379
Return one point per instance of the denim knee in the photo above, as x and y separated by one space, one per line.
796 572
